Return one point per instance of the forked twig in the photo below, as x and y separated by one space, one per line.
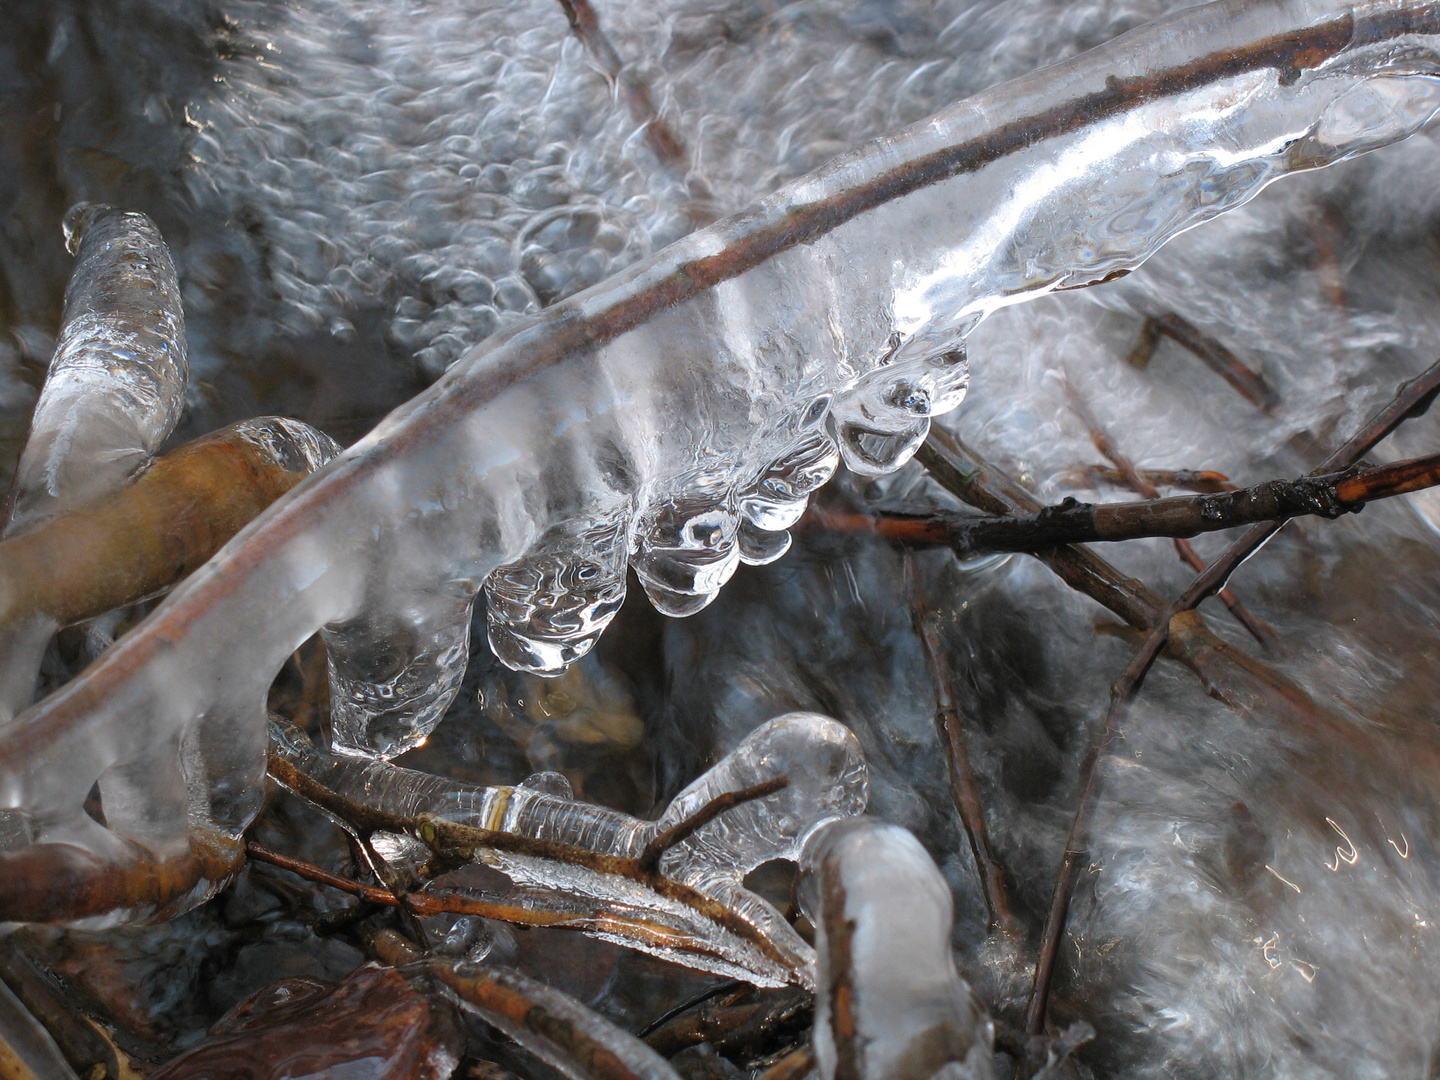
1143 486
1412 399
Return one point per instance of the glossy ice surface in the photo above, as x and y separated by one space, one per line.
678 414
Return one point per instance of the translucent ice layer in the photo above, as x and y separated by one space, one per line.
826 781
890 1005
116 384
667 396
113 392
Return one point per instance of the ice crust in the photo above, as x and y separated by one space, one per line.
589 421
827 782
113 392
883 918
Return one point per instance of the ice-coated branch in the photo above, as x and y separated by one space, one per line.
121 547
890 1004
673 887
676 417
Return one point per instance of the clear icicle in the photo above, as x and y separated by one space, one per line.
891 1004
678 381
113 392
116 384
827 781
548 610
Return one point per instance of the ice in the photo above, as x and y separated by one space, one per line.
827 782
674 387
116 384
890 1005
113 392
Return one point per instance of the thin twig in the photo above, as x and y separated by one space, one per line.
662 139
964 789
1247 383
1071 522
649 860
1261 631
1198 480
1411 399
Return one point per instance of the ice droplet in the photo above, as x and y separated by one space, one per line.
548 610
688 549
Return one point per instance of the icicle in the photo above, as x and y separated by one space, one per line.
114 390
891 1005
826 781
677 382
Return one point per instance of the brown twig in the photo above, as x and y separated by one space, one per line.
1072 522
1411 399
793 1066
649 860
1247 383
664 143
1197 480
964 789
1261 631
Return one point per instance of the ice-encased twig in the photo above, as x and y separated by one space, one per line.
890 1003
553 1026
541 840
664 398
113 392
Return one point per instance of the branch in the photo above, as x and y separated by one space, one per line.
455 843
1072 522
149 534
1247 383
964 789
1142 486
1411 399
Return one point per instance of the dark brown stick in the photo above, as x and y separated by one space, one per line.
649 861
1258 628
1072 522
